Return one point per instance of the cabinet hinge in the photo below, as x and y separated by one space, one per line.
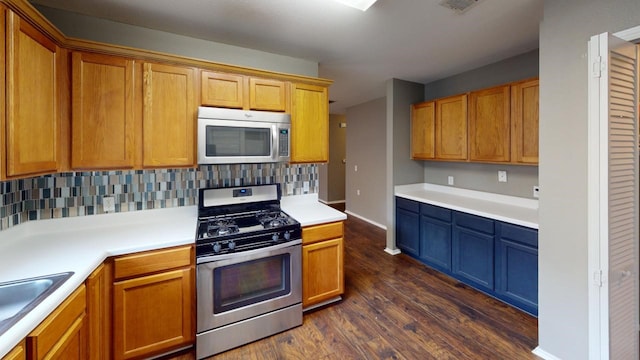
597 67
597 278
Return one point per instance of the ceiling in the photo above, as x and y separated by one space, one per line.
414 40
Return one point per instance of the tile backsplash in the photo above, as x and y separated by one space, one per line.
80 193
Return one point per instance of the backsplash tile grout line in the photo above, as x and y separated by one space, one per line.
80 193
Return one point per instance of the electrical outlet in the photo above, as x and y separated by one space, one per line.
108 204
305 187
536 191
358 192
450 180
289 188
502 176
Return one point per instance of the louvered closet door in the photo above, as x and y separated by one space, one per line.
618 196
623 200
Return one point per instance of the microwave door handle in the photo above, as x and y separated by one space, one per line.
274 141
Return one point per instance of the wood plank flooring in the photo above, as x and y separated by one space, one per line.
396 308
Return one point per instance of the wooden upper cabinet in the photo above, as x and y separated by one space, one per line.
103 112
242 92
524 121
423 130
169 116
3 113
223 90
451 128
309 124
489 124
268 95
32 124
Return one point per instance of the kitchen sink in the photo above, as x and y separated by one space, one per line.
19 297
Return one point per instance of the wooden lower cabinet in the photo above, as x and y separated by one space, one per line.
153 305
99 312
322 263
17 353
63 334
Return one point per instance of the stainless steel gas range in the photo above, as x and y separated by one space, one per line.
248 256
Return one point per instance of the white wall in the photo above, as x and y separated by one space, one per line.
110 32
563 277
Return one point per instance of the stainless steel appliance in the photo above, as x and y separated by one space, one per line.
248 256
230 136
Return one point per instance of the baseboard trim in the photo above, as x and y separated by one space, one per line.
543 354
392 251
367 220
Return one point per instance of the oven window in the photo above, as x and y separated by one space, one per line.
250 282
238 141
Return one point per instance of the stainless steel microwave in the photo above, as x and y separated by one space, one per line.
230 136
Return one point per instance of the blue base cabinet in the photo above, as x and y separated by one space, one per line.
435 236
473 249
407 226
497 258
517 266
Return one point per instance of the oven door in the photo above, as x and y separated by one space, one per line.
247 284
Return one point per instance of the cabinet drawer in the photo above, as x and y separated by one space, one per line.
435 212
322 232
474 222
17 353
518 234
152 261
408 204
43 339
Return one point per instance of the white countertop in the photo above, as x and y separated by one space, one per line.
510 209
81 244
309 211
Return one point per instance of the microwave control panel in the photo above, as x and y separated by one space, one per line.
283 142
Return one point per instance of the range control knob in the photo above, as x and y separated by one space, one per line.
231 245
287 235
275 237
216 247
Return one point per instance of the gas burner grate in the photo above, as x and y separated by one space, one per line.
222 227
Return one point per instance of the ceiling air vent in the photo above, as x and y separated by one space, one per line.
459 6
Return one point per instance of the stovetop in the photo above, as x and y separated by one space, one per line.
236 225
229 222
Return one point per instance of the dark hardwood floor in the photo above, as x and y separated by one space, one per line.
396 308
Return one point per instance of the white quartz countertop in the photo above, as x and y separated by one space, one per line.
309 211
81 244
510 209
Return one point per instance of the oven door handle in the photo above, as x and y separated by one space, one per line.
211 258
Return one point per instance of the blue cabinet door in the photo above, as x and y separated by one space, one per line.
435 243
473 250
407 231
517 266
